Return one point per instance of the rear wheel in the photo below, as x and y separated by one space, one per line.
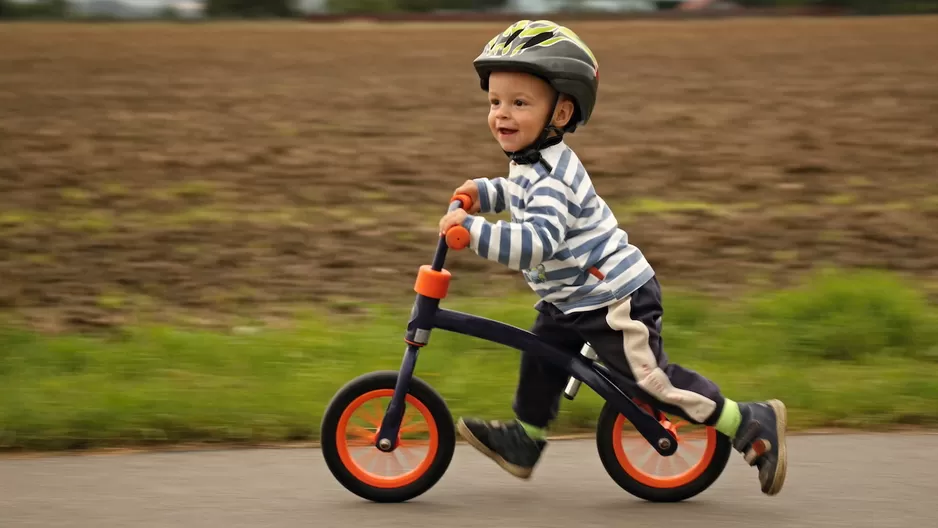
701 456
350 427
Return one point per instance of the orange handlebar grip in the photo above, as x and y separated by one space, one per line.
457 237
465 199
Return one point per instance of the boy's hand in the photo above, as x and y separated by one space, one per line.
452 218
470 189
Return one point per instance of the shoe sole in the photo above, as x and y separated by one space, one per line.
518 471
781 467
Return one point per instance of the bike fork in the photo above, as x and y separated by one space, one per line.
418 335
391 424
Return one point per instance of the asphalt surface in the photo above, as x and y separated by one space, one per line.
876 481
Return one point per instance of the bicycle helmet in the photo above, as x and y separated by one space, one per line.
551 52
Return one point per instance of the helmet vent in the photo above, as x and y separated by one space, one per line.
512 37
537 39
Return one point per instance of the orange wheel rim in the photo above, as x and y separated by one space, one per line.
363 440
641 461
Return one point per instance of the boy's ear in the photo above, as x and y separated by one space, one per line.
564 112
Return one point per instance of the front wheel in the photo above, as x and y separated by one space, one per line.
426 441
701 456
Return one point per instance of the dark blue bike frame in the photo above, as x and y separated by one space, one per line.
613 387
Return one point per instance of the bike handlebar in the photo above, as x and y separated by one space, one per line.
457 237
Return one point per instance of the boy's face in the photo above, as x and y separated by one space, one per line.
519 107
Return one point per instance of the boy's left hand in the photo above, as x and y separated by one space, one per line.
452 218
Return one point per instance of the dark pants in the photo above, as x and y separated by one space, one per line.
627 338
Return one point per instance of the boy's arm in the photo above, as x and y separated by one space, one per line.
491 194
522 245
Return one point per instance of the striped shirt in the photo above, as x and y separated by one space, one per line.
560 229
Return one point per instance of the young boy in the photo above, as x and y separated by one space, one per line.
594 286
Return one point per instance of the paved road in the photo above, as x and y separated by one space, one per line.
856 481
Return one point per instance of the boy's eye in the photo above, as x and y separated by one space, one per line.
519 102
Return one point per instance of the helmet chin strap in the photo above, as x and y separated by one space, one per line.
532 153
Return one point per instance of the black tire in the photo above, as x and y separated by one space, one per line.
605 443
426 395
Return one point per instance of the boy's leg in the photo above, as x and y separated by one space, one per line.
516 446
627 336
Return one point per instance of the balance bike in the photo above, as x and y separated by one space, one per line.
386 435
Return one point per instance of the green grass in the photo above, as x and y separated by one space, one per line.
856 350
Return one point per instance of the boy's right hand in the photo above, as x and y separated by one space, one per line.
470 189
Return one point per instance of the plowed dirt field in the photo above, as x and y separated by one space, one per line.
203 172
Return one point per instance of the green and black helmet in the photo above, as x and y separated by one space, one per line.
550 51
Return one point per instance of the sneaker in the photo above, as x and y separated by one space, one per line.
506 443
761 440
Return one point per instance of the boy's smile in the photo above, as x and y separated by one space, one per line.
506 131
520 104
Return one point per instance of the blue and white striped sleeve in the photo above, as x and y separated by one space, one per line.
522 245
491 194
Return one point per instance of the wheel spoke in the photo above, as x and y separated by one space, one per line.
681 462
419 427
651 466
380 467
696 436
690 449
372 413
394 463
636 444
411 419
368 460
637 447
359 431
409 456
649 455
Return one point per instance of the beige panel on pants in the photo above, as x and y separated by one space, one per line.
644 365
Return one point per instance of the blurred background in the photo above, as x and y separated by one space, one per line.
212 213
141 9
